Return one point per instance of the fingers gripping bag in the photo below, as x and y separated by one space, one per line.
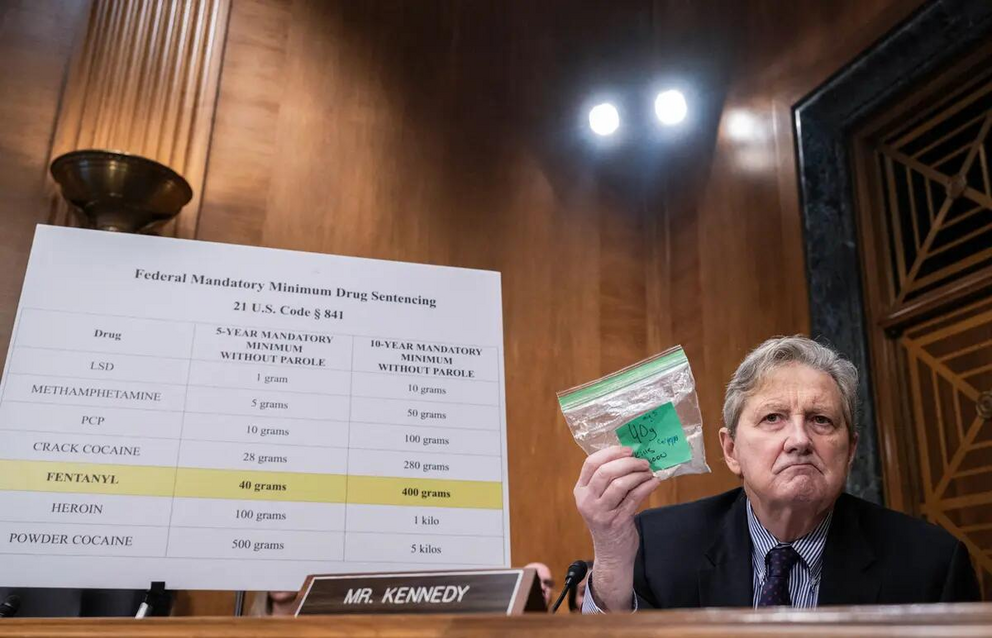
650 407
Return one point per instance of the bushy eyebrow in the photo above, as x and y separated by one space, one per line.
817 407
772 405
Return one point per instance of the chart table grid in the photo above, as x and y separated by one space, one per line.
183 439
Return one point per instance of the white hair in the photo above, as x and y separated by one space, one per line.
780 351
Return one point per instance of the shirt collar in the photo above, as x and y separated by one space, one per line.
809 547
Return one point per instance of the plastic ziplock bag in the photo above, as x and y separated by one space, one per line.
650 406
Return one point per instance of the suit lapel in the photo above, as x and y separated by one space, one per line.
848 577
726 577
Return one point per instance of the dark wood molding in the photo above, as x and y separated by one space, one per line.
938 33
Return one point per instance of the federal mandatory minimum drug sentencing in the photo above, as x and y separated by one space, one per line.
281 286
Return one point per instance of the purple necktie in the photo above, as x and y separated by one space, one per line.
775 591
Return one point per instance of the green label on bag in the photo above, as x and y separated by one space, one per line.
658 437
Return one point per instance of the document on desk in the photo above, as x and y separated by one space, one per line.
229 417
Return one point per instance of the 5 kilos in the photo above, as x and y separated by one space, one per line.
424 548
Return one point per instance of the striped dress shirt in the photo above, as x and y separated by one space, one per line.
804 577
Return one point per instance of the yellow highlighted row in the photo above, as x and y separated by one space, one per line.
136 480
262 486
87 478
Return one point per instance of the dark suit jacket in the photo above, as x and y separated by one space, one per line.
699 555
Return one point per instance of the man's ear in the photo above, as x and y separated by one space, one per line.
854 448
730 451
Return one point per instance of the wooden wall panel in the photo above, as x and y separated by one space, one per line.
36 44
145 82
450 133
752 263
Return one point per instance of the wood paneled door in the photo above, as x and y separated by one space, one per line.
923 170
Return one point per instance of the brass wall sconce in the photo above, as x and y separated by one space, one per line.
120 192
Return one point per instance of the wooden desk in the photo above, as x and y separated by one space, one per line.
923 620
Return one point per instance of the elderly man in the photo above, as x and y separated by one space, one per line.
788 536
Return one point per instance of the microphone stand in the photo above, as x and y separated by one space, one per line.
561 596
157 601
576 572
10 606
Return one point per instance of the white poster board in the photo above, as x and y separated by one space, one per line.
229 417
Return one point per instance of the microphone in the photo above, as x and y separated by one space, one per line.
576 572
10 606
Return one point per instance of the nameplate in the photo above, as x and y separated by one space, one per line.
496 591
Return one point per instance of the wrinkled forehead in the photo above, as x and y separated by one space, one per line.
543 571
794 386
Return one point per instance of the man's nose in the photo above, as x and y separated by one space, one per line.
798 440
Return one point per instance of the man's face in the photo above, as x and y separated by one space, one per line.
547 580
792 446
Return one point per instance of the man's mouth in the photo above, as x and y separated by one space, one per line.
800 465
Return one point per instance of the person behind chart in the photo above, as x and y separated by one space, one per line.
788 535
547 581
